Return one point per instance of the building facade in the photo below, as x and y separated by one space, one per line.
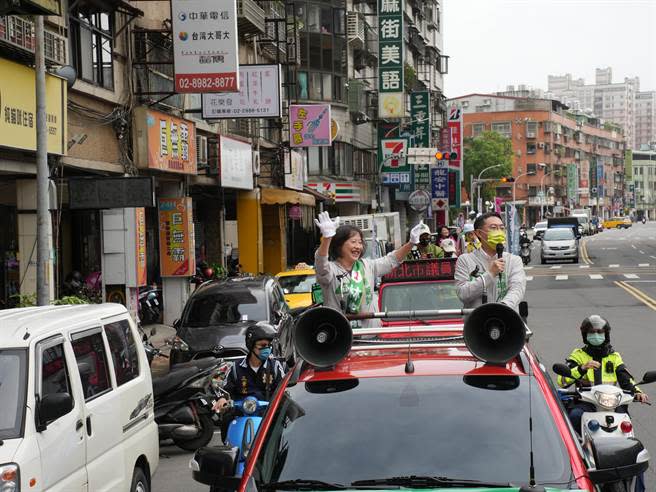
573 160
644 183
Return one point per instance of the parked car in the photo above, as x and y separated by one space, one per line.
538 230
76 400
297 286
217 314
559 243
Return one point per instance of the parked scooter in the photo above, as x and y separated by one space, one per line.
608 428
150 305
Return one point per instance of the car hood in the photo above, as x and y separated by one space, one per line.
467 489
8 449
229 335
299 300
554 244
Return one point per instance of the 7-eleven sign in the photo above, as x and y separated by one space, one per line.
393 153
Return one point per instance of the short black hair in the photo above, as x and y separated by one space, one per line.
480 220
343 234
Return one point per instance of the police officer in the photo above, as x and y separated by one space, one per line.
597 363
258 374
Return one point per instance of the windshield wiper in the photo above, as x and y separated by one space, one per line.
303 484
428 482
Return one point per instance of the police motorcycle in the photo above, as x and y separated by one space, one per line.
524 246
608 429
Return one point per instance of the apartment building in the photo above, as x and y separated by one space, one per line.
644 183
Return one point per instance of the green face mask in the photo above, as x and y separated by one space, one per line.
595 339
495 237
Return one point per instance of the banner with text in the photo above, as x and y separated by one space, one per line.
309 125
391 98
420 116
455 138
176 237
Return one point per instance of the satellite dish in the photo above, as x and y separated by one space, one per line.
67 72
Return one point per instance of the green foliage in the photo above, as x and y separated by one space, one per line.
24 300
70 300
488 149
409 76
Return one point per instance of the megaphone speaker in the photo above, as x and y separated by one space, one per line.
322 336
494 333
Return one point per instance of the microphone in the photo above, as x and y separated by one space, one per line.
500 253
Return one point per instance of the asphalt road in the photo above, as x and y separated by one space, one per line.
616 279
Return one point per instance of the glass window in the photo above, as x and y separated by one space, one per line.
327 83
325 430
13 389
314 163
502 128
304 49
297 284
92 37
477 129
339 56
91 361
327 53
55 377
300 9
339 21
227 306
326 20
303 85
338 89
124 351
436 295
314 18
315 51
315 86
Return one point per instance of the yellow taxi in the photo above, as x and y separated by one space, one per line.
617 223
297 285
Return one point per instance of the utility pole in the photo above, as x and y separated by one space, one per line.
42 172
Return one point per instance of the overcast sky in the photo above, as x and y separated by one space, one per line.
494 43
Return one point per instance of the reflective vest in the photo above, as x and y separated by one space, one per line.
606 374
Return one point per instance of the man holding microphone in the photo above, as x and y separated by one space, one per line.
489 274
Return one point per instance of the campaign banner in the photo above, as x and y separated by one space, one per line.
205 45
309 125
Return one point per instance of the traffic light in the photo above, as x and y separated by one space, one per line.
446 156
507 179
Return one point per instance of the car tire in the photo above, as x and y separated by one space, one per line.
543 261
140 481
205 435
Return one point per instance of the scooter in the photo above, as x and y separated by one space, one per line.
525 248
606 426
183 402
150 305
243 428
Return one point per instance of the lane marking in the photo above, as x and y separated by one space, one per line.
556 267
584 253
529 278
528 268
613 266
634 246
584 266
596 276
651 256
641 252
561 277
630 275
638 294
642 265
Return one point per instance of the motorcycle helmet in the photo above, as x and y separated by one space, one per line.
259 331
597 322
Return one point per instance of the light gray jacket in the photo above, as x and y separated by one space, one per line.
329 271
470 289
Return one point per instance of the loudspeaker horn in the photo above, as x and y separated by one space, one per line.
494 333
322 336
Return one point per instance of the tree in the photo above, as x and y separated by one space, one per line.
487 149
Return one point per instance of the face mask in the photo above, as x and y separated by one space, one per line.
495 237
595 339
264 354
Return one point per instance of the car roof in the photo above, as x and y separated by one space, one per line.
236 283
302 271
21 325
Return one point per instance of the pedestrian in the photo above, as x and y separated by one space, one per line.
468 240
460 221
425 249
449 248
347 279
481 275
443 233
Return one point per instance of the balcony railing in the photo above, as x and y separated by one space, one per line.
19 33
250 17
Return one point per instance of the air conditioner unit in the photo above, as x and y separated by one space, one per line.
355 29
201 150
256 162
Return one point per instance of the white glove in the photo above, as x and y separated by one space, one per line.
417 231
326 225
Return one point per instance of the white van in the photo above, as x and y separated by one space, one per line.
76 401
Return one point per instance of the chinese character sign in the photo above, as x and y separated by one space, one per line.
390 56
455 136
176 237
420 116
572 182
140 232
440 181
205 40
309 125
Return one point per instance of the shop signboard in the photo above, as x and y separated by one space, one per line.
454 125
258 96
176 237
140 242
393 161
164 142
18 109
440 185
205 46
294 170
572 182
309 125
236 163
95 193
420 116
30 7
391 99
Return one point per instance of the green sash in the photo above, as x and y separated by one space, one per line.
354 288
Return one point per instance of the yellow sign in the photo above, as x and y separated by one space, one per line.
18 109
391 105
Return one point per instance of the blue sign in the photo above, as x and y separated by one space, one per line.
600 178
440 182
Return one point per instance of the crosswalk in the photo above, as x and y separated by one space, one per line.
584 267
561 273
592 276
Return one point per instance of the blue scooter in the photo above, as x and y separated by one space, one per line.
243 428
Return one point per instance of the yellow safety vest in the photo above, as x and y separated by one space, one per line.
580 357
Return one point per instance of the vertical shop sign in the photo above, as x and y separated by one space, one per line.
176 237
440 185
205 52
455 138
140 242
572 182
391 99
309 125
393 161
420 116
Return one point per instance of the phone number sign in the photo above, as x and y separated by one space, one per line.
205 48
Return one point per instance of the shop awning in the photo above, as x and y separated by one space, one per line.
277 196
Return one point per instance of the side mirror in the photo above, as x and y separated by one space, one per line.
216 466
562 370
51 407
176 324
523 309
617 458
649 377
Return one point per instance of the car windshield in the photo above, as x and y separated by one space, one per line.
559 234
419 296
13 386
582 220
297 284
229 306
541 225
473 427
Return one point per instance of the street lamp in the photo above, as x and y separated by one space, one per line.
478 186
530 173
544 166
